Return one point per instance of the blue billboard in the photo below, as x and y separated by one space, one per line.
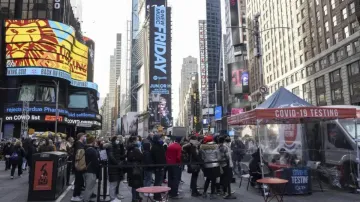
218 113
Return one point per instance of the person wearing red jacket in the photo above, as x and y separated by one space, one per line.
173 156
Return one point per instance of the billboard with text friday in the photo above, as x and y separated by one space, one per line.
160 65
45 44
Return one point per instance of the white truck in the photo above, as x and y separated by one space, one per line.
176 131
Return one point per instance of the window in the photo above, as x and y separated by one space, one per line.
332 2
319 31
352 8
357 46
323 62
296 91
353 68
336 94
325 10
320 99
299 31
328 44
45 94
346 32
355 88
336 137
307 92
300 44
305 41
336 38
78 100
334 21
335 76
309 70
332 58
344 13
318 16
339 54
27 93
317 66
349 50
326 26
319 82
317 2
354 26
298 17
303 27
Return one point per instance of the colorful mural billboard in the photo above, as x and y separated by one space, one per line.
45 44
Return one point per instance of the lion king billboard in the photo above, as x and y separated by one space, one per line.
45 44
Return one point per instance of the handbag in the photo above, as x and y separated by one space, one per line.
193 168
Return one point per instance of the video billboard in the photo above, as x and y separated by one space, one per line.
45 44
160 65
238 78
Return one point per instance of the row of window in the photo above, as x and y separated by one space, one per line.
341 54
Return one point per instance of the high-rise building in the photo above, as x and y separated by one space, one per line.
189 67
77 8
214 45
112 81
317 58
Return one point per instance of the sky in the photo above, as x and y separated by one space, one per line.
101 22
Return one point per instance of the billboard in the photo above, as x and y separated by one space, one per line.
91 57
45 44
160 65
203 61
234 21
238 78
218 113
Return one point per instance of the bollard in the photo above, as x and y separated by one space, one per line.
68 170
105 176
99 184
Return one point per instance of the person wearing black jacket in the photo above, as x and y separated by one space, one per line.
115 157
92 167
192 151
31 150
7 153
135 174
16 158
79 180
147 160
158 156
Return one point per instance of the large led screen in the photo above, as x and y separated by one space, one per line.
45 44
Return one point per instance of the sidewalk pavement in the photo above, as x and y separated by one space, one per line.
16 191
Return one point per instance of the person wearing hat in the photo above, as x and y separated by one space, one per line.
173 156
79 180
92 167
210 153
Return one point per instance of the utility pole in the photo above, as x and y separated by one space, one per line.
257 51
25 119
56 106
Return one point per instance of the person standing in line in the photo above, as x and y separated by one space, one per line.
165 144
92 168
158 156
226 165
192 150
238 152
79 180
147 160
7 153
135 174
31 151
122 158
173 156
114 159
16 158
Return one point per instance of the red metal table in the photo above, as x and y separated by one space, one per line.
273 183
154 190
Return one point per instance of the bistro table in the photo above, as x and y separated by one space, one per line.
154 190
273 184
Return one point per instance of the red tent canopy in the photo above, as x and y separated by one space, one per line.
291 115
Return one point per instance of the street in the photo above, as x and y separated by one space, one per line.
16 191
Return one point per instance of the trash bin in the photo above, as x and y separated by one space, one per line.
47 176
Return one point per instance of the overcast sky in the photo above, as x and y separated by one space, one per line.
101 22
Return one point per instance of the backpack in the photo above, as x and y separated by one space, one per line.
80 162
14 156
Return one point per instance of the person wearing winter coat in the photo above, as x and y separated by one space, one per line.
226 165
147 160
238 151
16 158
135 174
210 153
115 156
254 167
191 149
7 153
158 156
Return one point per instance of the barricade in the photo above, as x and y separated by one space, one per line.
103 174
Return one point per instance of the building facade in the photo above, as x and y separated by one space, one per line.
189 67
318 58
40 75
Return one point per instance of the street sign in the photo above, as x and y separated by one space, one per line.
263 89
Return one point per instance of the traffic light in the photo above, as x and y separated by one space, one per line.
195 119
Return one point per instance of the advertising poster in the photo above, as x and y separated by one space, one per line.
160 66
203 61
238 78
44 44
235 111
43 175
218 113
130 123
234 21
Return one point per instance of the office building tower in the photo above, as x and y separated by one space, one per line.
188 69
214 45
318 57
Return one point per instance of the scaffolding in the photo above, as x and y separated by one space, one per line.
25 119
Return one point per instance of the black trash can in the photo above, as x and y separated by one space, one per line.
47 176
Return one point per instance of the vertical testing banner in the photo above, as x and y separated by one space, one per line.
203 61
160 65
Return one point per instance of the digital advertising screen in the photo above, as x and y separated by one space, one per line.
160 65
45 44
91 57
238 78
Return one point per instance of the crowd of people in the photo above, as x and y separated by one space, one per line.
145 162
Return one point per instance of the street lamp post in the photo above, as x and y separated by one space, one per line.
56 105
